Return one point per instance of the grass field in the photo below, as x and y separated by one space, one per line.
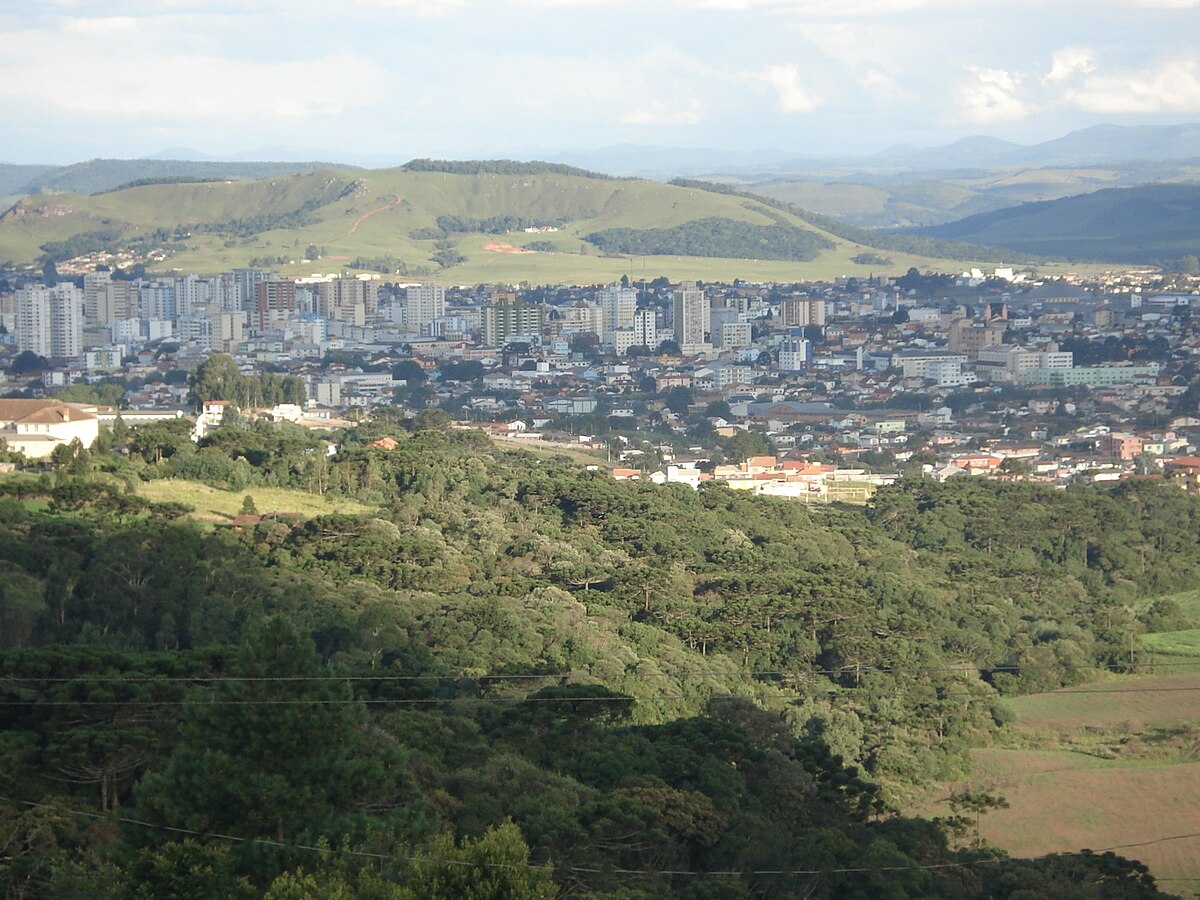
1100 766
375 213
212 505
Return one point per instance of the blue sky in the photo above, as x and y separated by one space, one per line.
387 80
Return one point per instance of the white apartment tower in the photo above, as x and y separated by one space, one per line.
645 329
619 305
425 302
692 318
50 321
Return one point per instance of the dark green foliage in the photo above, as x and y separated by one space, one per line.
715 237
1152 223
638 677
496 167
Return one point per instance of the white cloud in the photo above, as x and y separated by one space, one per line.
1069 62
785 80
69 71
656 112
992 97
1173 87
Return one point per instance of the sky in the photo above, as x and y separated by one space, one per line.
383 81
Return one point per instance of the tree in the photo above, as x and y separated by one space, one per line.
217 378
287 760
678 400
26 362
746 444
249 508
312 252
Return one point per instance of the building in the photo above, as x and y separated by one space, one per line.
36 427
95 285
50 321
645 329
967 337
1091 376
691 318
423 304
794 354
275 302
508 318
619 305
799 312
1120 445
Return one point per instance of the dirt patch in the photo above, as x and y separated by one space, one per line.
493 247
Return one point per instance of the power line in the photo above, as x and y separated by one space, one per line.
591 870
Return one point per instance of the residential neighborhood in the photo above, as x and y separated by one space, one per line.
816 391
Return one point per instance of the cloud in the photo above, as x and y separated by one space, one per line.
992 97
656 112
1069 62
1173 87
785 80
70 71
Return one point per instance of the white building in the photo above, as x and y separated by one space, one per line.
691 318
36 427
619 305
424 303
50 321
645 329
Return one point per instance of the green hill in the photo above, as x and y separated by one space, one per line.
1153 224
448 221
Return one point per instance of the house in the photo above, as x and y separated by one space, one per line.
36 427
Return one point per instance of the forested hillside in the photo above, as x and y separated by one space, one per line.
522 678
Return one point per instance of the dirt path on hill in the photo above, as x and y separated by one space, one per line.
367 215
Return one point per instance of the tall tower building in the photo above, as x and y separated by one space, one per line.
275 302
50 321
692 318
506 318
645 329
95 284
619 305
425 302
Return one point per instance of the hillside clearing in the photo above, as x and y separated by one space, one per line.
213 505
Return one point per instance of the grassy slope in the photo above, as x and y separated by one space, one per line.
1096 770
212 505
371 223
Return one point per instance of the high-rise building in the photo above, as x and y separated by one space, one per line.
119 300
425 302
800 311
619 305
50 321
348 299
275 302
645 329
247 286
158 301
691 318
507 318
95 284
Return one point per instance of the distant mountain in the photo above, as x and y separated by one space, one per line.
14 179
1148 224
98 175
1100 144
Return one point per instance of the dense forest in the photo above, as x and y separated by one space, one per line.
521 678
715 237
